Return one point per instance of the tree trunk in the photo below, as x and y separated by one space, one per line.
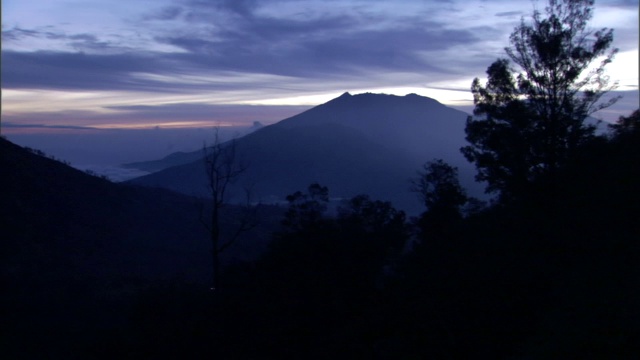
215 251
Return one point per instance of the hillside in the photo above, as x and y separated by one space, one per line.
77 248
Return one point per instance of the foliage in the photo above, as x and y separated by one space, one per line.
373 216
306 209
627 125
438 187
375 228
348 251
530 119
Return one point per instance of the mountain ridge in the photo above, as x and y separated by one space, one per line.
397 134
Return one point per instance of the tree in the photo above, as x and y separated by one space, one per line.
627 125
306 210
371 216
438 187
223 168
336 260
529 119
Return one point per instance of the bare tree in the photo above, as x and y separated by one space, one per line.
223 168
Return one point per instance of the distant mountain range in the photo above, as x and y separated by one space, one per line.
365 143
181 157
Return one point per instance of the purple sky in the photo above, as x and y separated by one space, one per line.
147 63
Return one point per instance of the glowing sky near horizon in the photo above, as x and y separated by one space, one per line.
145 63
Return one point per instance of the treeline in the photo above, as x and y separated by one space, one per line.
544 276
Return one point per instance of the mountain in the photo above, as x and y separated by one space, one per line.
366 143
180 157
173 159
413 123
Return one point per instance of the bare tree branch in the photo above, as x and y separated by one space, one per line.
223 168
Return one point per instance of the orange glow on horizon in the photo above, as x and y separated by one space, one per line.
60 129
37 130
164 125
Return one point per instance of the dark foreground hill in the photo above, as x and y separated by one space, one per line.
366 143
76 248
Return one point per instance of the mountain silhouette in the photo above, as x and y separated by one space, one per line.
365 143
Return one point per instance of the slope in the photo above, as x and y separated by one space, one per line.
78 250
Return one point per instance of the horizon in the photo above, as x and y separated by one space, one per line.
241 116
189 64
104 150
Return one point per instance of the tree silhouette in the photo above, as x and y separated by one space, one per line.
376 231
223 168
627 125
438 187
306 210
326 266
529 119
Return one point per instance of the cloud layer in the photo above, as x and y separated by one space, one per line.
223 51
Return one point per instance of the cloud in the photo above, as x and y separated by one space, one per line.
509 13
167 13
198 114
79 42
17 34
233 50
311 50
42 126
626 3
325 48
243 8
208 112
79 71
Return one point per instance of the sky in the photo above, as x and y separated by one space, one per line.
71 64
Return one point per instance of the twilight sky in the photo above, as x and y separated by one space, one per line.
147 63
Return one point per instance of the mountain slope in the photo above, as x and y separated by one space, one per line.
367 143
173 159
77 252
91 224
56 218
